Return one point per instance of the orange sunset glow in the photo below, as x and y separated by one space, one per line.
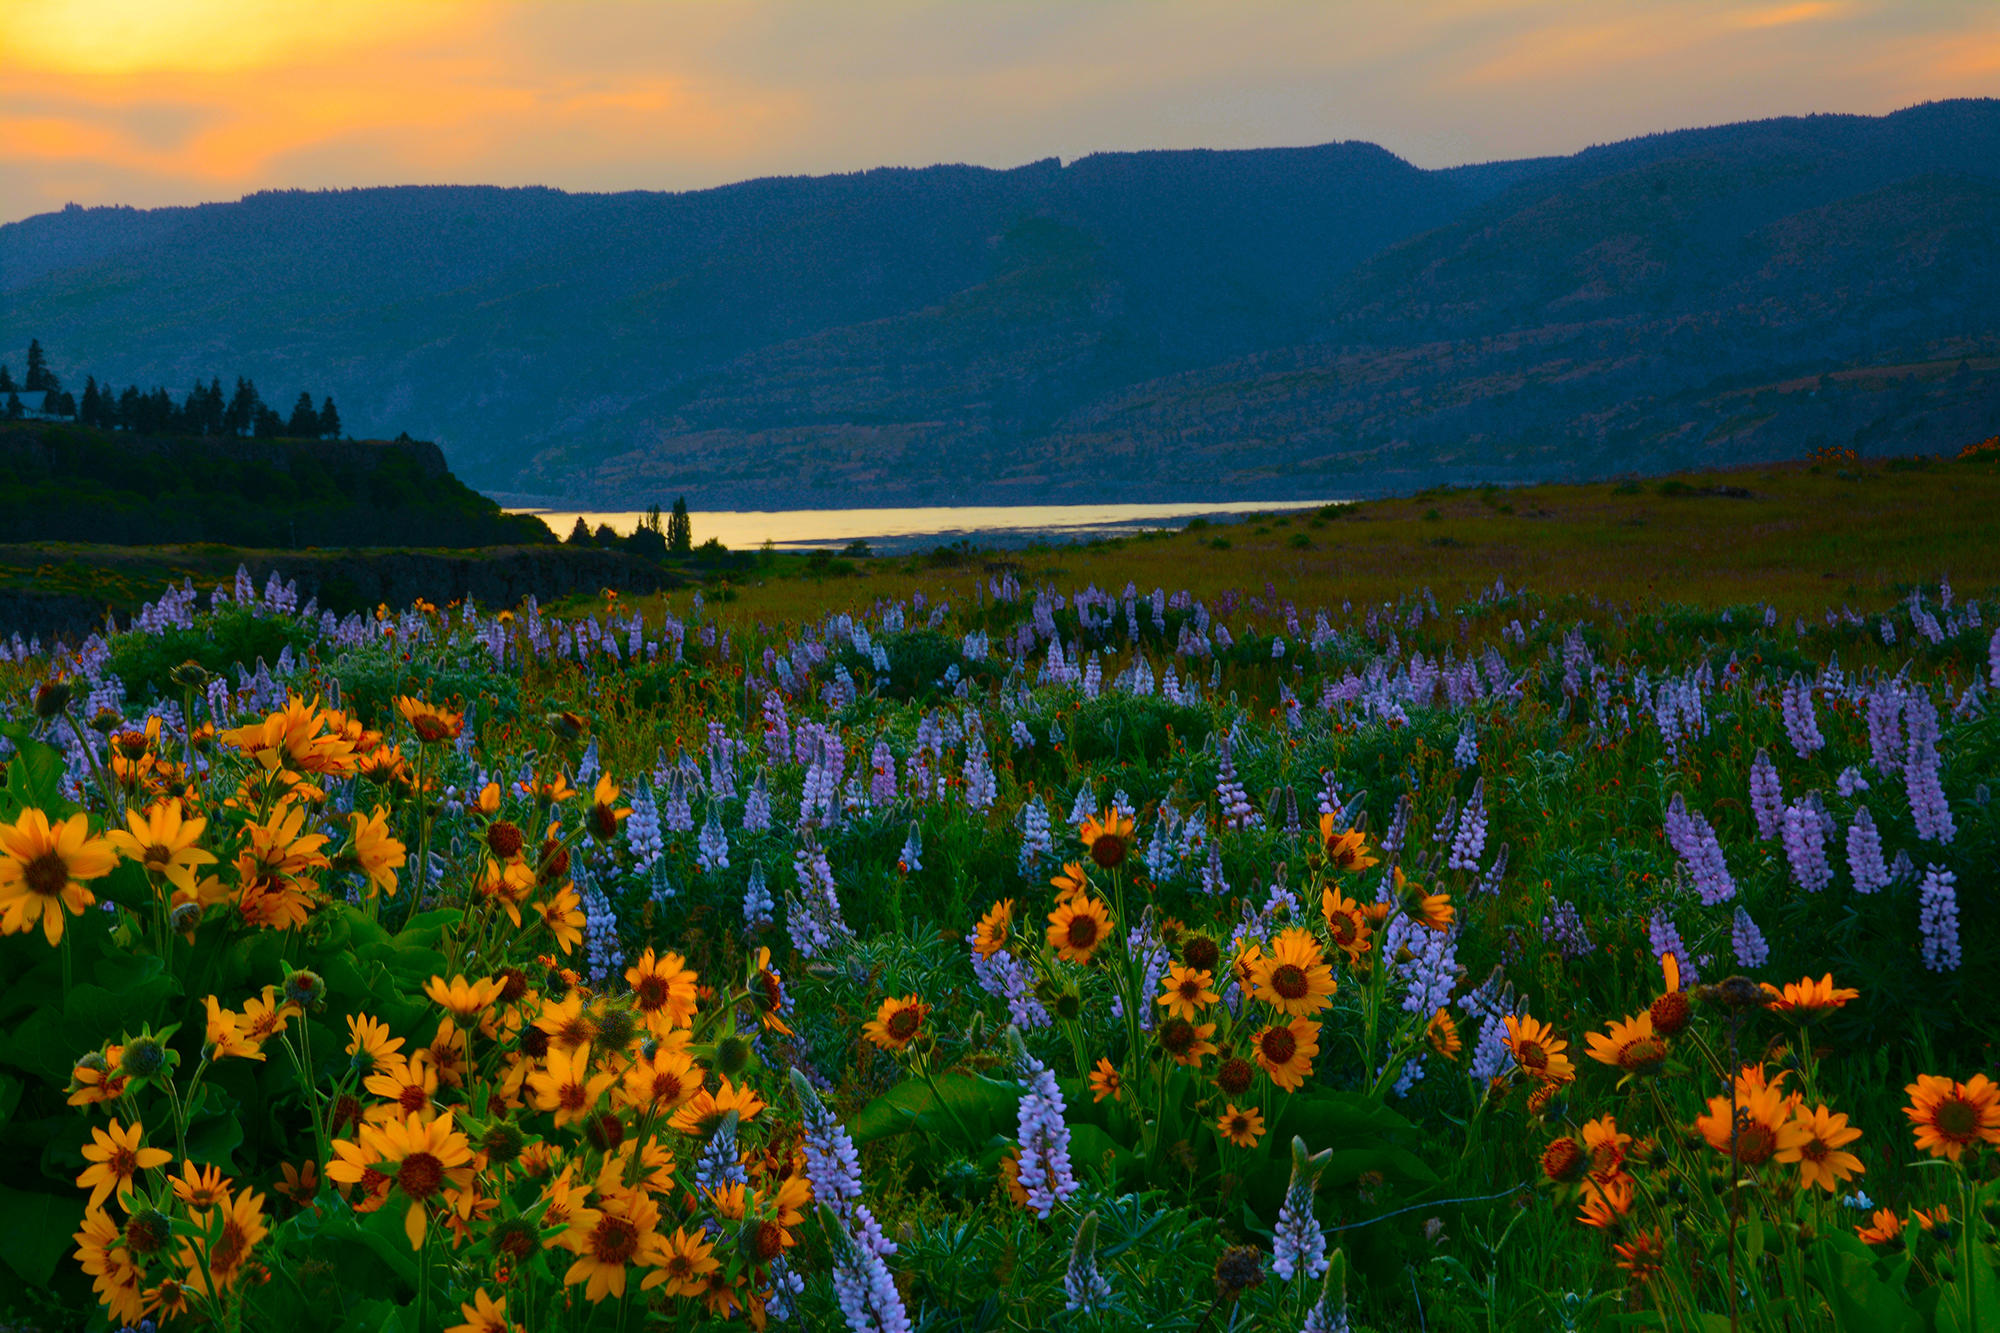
129 101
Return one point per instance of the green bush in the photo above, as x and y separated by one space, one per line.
234 637
372 676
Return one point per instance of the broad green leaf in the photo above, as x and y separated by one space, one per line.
36 1230
983 1107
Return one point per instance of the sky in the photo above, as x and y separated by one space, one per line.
152 102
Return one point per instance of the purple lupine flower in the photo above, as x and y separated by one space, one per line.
1212 881
642 830
1085 805
777 727
981 788
1432 970
1937 919
677 815
1748 941
1490 1054
600 929
1850 782
1230 795
1085 1288
1767 796
1299 1245
712 845
1693 839
1928 806
1993 660
1041 1132
1885 727
1664 938
1801 722
1329 1312
1805 844
1007 978
1469 842
1023 738
912 858
1489 879
882 775
1563 929
1864 854
1037 843
757 904
757 806
813 916
1466 753
718 1164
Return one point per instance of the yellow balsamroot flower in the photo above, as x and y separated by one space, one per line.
996 929
1806 999
1442 1034
665 991
1293 978
1538 1051
563 915
1106 838
1431 910
686 1266
897 1023
508 885
280 847
1632 1045
464 1000
161 840
1105 1081
378 851
664 1081
409 1087
1071 883
567 1087
605 813
1286 1053
621 1230
41 865
1606 1202
1949 1117
1346 923
431 724
767 993
370 1044
483 1314
1885 1226
225 1035
242 1226
1242 1128
1347 849
1814 1140
200 1186
1643 1256
100 1250
1184 991
115 1157
299 736
702 1114
1604 1149
1077 927
1756 1123
1188 1043
263 1017
421 1159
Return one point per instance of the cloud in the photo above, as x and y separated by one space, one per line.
142 102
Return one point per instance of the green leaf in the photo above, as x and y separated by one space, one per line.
981 1104
34 777
1862 1300
35 1231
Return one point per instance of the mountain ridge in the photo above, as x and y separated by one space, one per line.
918 334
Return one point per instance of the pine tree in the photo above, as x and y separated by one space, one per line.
680 533
6 379
329 420
266 424
14 409
304 424
38 368
241 415
580 534
93 406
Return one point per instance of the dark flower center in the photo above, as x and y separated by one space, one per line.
1108 851
1082 931
903 1024
614 1241
420 1175
1177 1035
47 874
1234 1076
1279 1045
1289 981
1957 1118
651 991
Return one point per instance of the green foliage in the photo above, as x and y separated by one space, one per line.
458 673
236 636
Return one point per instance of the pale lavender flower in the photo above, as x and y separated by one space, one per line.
1748 941
1937 919
1085 805
1864 854
1469 842
1042 1133
1299 1245
757 806
1229 792
1805 844
1885 727
814 916
757 904
1007 978
1466 753
981 788
712 845
1563 929
1666 939
1767 797
1850 782
1037 843
1085 1288
1801 723
1928 806
912 858
1993 660
1693 838
642 830
1490 1054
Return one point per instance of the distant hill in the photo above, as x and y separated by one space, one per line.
65 483
1139 325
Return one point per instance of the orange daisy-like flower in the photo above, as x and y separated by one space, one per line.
483 1314
996 929
242 1226
463 1000
567 1087
1078 927
225 1035
430 723
704 1113
686 1265
1105 1082
200 1186
1932 1219
1757 1121
1632 1045
1242 1128
1346 922
1442 1033
162 841
1950 1117
41 869
115 1157
1806 999
1071 883
620 1230
1814 1140
665 1080
408 1088
1605 1202
1286 1053
1431 910
664 990
380 852
1293 978
1346 850
1643 1255
1188 1043
1604 1148
897 1023
563 915
1538 1051
1106 837
605 812
1885 1226
370 1044
420 1159
1184 991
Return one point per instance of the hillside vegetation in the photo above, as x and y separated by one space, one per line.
1147 325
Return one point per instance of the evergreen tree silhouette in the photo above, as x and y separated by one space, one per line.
304 424
329 420
38 368
579 535
680 533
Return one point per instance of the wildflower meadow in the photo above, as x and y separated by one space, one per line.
1035 956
